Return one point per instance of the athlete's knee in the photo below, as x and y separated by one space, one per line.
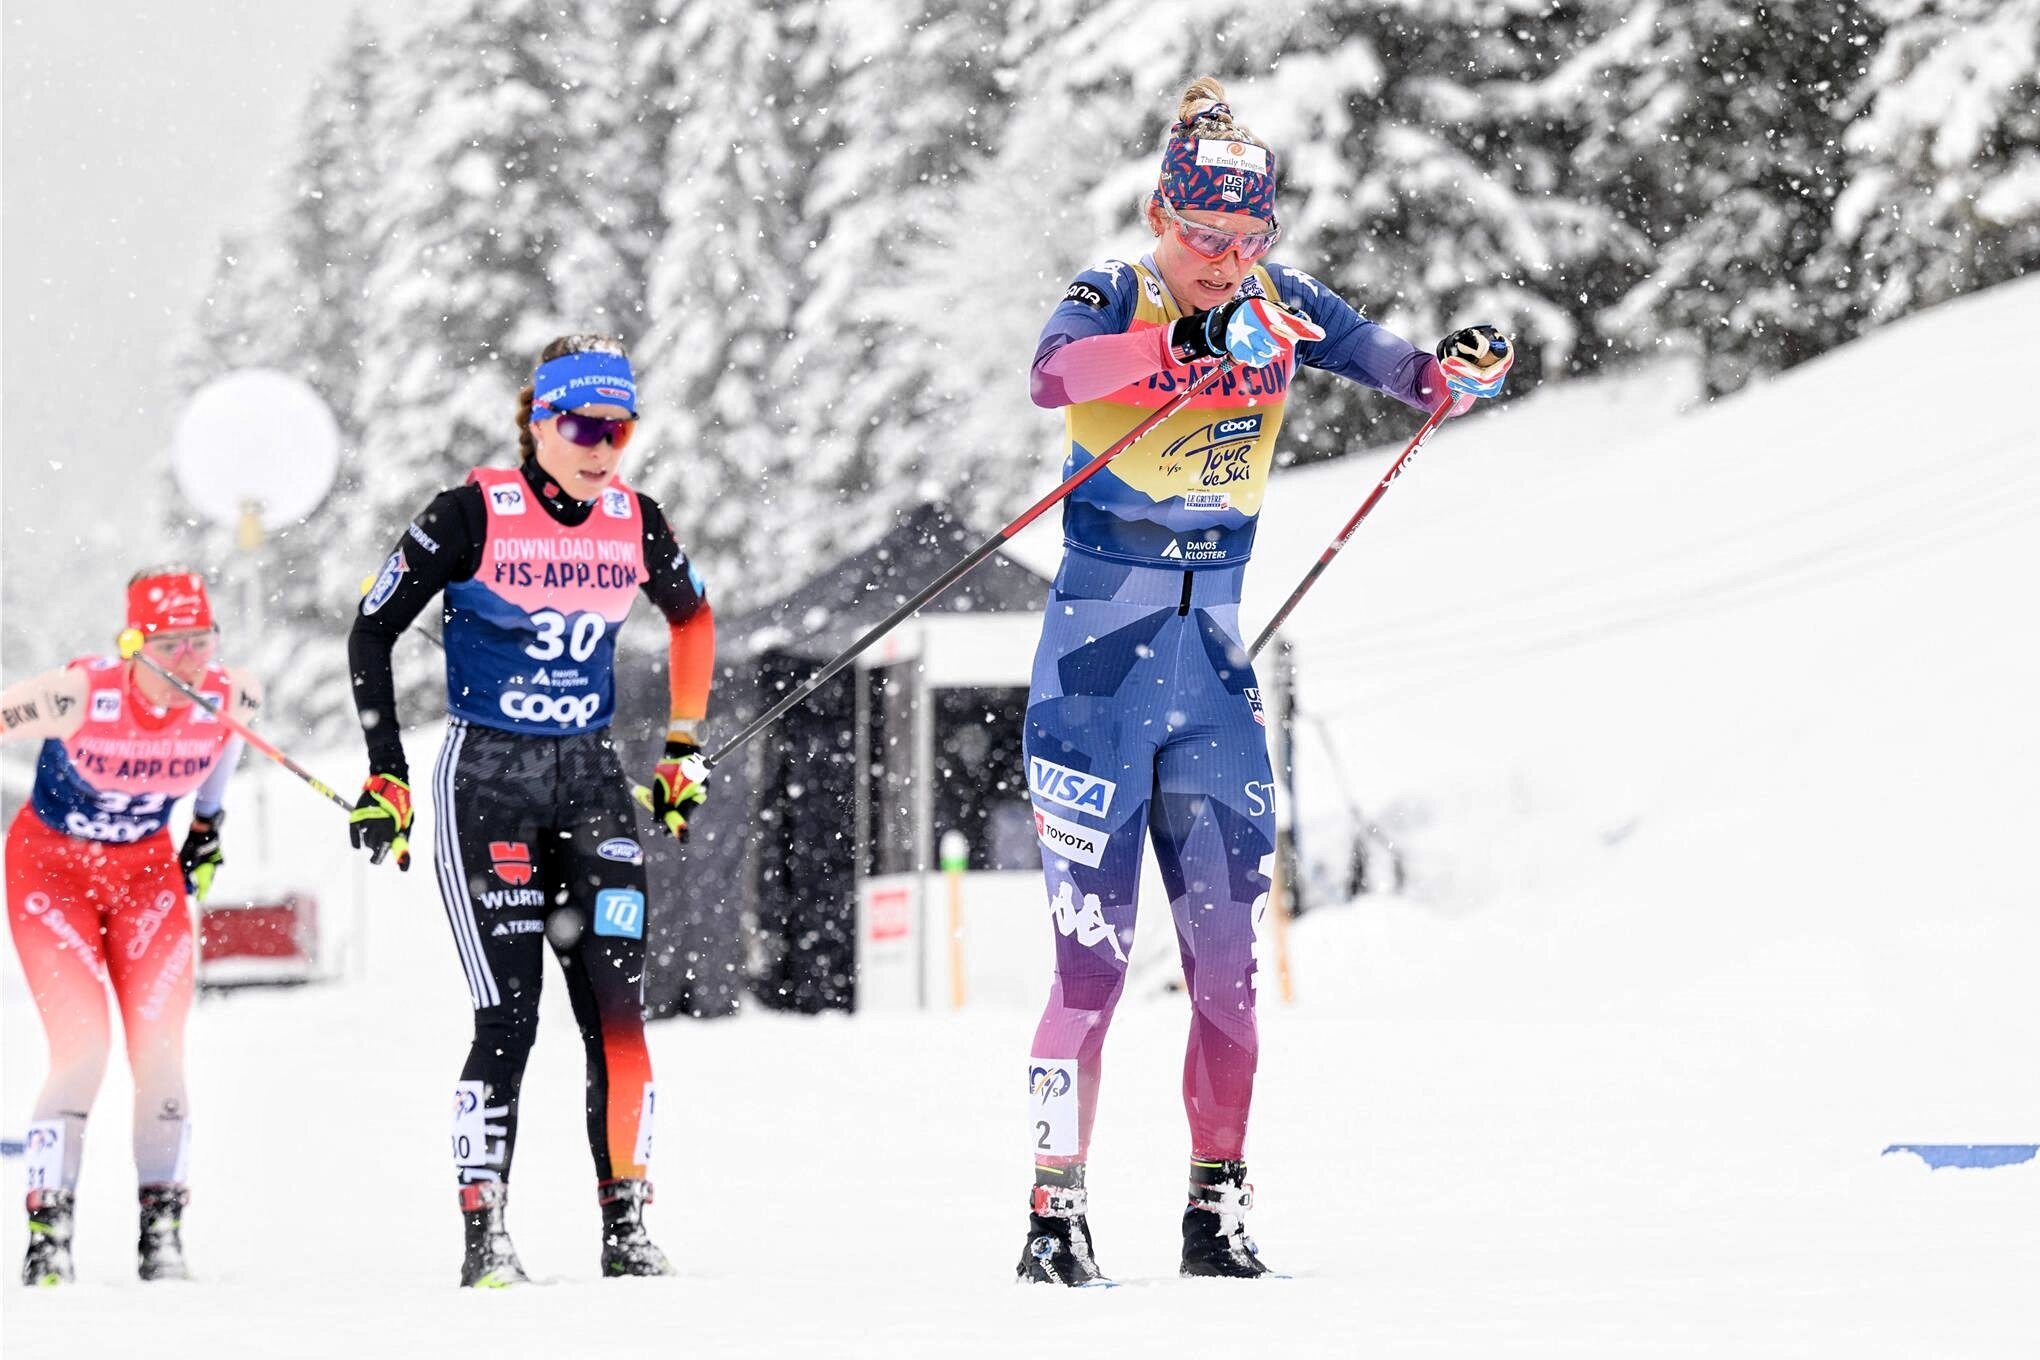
507 1031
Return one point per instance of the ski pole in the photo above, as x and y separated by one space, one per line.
955 573
1325 559
131 641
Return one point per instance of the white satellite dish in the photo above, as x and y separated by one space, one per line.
256 448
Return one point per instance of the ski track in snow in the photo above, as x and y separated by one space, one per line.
1721 735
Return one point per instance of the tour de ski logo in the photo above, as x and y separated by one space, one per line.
512 860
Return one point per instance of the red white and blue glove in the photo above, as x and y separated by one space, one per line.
679 787
1475 362
1251 331
381 821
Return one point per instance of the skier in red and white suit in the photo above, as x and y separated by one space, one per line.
96 895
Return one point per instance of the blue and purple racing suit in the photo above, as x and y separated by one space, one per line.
1145 718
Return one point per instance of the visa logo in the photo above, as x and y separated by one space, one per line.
1053 783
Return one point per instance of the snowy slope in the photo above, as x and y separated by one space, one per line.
1712 742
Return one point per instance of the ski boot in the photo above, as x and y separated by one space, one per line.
160 1253
49 1239
491 1262
627 1249
1058 1247
1215 1240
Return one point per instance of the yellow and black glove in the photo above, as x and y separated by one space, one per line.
199 857
382 819
679 787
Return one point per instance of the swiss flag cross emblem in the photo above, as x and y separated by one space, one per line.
512 860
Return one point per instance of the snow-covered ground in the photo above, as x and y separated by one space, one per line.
1711 741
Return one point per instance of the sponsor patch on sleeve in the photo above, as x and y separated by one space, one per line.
1086 294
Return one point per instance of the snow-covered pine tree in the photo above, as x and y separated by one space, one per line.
478 198
1722 141
723 287
1943 159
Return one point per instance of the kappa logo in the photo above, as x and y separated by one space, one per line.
507 500
616 503
512 860
1086 924
106 705
1078 844
1055 783
386 581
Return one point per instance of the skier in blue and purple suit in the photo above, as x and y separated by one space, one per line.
1145 719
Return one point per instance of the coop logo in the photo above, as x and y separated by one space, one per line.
563 708
620 912
1253 698
386 582
623 850
507 500
1055 783
106 705
512 860
1048 1082
616 503
1075 843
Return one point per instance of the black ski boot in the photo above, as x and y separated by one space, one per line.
1058 1247
1215 1240
49 1239
491 1262
627 1249
160 1253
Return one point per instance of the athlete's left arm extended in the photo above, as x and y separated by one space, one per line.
676 588
1354 347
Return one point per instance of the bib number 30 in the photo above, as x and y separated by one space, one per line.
553 635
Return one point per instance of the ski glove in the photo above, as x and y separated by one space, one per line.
1476 361
199 857
1252 331
679 786
381 821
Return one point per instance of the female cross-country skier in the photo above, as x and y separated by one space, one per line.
536 839
96 897
1144 718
